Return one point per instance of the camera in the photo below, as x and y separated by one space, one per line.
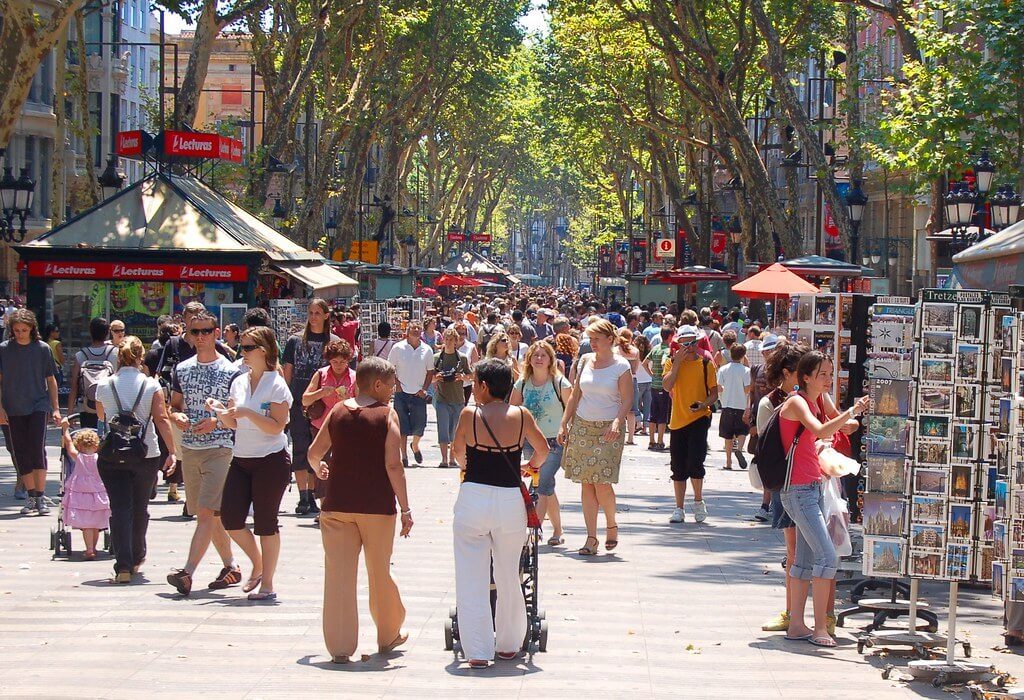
449 375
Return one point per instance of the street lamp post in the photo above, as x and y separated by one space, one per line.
736 233
960 203
1005 205
16 197
856 201
111 180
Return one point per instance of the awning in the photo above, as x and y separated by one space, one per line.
457 281
689 275
323 279
995 263
773 281
820 266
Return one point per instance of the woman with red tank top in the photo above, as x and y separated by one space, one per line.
801 421
364 479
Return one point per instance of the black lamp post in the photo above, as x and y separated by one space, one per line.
960 203
736 235
110 180
16 196
278 211
856 202
1005 205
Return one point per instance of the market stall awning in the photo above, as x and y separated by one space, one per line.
470 263
995 263
820 266
971 231
457 281
170 212
773 281
323 279
689 275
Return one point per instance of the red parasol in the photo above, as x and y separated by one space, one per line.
426 292
774 281
457 281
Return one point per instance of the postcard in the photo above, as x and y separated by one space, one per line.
935 399
886 474
886 435
883 556
926 564
937 342
961 482
965 442
965 401
998 579
932 453
970 322
927 536
936 371
958 559
926 509
933 427
883 514
961 520
890 397
968 363
824 310
938 316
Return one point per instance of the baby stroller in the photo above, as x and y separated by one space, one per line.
60 536
536 619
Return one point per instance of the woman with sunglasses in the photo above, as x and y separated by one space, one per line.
467 349
499 347
260 469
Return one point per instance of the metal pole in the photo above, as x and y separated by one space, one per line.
914 583
954 587
252 108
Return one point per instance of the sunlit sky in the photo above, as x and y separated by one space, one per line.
536 20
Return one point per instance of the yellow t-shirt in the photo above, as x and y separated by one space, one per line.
689 389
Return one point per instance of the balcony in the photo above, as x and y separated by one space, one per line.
119 69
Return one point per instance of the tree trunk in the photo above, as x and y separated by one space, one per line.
58 172
24 43
775 60
186 101
92 191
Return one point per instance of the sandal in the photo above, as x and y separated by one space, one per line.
252 583
263 596
181 580
398 641
555 541
479 663
611 544
823 641
507 655
586 550
227 577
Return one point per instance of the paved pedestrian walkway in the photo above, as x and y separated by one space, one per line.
674 612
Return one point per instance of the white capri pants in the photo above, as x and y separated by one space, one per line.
490 522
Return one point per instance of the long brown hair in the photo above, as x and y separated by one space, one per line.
28 318
317 301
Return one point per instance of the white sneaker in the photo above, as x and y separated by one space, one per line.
678 516
700 511
30 506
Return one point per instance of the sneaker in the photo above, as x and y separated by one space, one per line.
678 516
302 508
762 515
41 506
20 493
778 624
30 506
700 511
314 509
742 460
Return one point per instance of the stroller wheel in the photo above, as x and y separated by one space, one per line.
449 635
65 536
543 642
106 540
452 613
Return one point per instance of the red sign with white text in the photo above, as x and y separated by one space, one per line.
456 237
65 269
190 144
480 237
129 143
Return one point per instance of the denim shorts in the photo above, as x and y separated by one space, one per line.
412 413
548 470
447 418
815 554
780 518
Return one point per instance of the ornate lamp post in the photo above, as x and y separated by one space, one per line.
960 203
111 180
856 202
16 197
1005 205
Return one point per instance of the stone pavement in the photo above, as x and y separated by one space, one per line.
674 612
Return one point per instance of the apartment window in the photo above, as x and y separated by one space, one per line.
143 67
36 158
231 68
93 31
95 121
133 119
132 66
41 91
124 116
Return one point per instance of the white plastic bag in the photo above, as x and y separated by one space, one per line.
837 517
754 476
834 463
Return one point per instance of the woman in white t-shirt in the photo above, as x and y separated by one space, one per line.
516 347
592 430
260 470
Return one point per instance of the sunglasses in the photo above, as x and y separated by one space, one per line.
118 331
247 348
688 343
196 332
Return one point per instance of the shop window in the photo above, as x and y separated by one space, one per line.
75 303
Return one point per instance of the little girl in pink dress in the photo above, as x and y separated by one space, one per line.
85 505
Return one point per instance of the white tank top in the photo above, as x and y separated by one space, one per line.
600 390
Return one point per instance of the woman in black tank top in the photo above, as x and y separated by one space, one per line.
490 518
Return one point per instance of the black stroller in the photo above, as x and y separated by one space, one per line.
536 623
60 536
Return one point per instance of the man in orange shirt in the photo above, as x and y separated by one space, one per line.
693 386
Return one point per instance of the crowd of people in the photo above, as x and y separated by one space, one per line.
530 383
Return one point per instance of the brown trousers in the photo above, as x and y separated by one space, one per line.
344 535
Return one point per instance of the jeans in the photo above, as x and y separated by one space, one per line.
815 554
412 413
129 491
548 470
447 419
643 401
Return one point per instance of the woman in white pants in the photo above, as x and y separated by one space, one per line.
490 518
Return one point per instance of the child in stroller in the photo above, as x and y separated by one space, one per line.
84 504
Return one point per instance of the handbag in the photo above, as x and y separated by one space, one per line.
532 520
316 410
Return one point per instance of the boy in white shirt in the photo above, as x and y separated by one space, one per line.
734 378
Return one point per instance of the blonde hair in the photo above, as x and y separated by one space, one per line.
492 344
533 350
86 440
624 339
602 326
130 352
266 339
451 332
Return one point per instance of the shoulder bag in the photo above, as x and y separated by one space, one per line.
316 410
532 520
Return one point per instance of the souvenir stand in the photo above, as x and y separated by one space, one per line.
943 528
287 315
397 312
1008 532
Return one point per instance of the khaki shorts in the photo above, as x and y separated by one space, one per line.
205 472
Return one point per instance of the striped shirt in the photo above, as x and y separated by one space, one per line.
657 357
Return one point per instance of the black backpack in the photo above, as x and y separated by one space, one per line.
773 460
124 445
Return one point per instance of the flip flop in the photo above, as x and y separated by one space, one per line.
801 638
555 541
252 584
824 641
263 596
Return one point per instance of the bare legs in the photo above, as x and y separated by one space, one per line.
263 555
208 528
680 491
91 536
550 507
598 496
821 595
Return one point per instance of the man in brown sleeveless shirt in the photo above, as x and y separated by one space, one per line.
364 478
